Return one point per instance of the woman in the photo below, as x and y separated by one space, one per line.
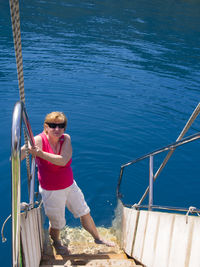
53 152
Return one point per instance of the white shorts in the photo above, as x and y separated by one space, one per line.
56 201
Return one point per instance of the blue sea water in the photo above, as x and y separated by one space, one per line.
127 75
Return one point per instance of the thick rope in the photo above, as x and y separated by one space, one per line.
14 10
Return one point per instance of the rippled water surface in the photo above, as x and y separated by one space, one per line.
126 73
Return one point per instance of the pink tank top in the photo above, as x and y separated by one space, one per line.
50 176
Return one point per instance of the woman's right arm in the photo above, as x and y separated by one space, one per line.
38 143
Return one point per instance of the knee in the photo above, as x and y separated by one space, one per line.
85 217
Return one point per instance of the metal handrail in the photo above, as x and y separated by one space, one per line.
150 155
165 148
19 115
170 153
170 148
157 207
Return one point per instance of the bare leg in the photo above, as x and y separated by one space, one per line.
89 225
54 233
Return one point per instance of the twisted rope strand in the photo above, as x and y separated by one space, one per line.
15 19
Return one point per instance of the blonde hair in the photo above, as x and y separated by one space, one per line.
55 116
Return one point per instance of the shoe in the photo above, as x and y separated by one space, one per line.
60 249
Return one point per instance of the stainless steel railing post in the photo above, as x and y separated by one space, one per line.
151 178
19 113
16 182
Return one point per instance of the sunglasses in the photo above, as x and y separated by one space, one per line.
54 125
